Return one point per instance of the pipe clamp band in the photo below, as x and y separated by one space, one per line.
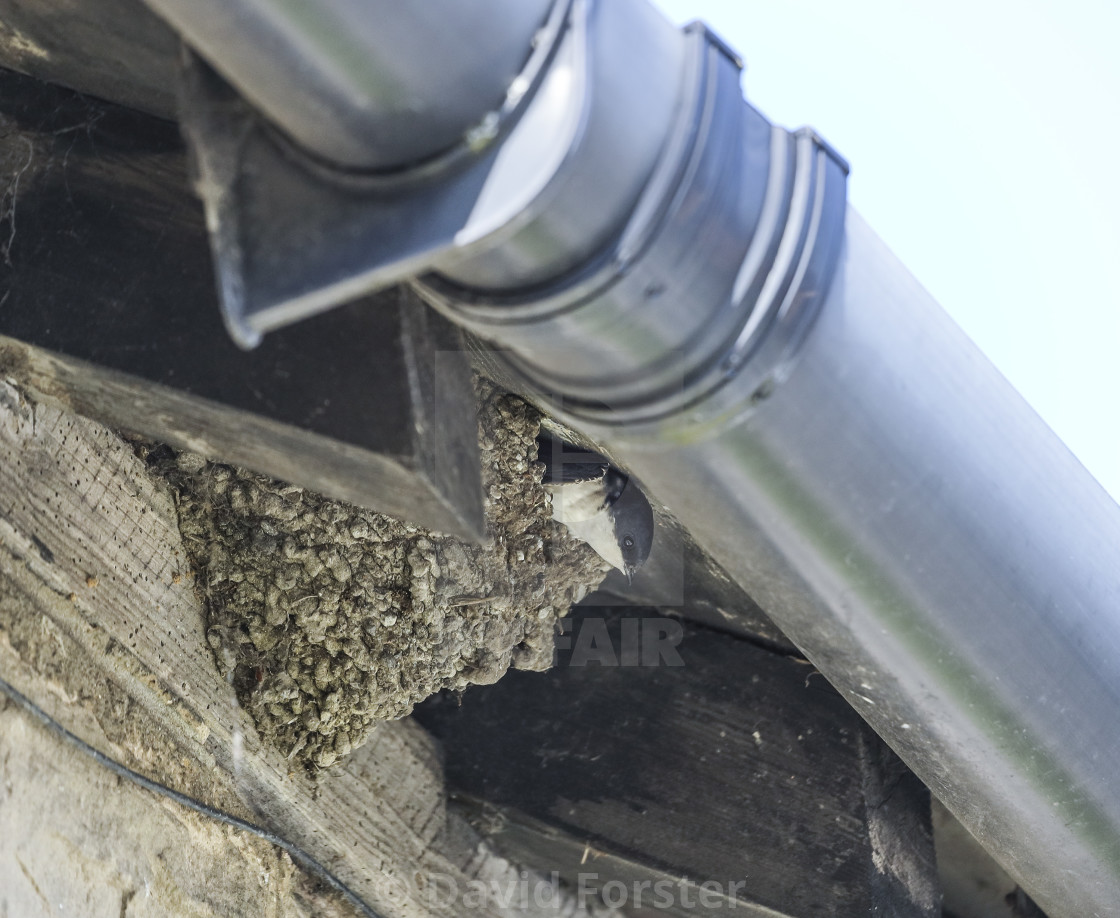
695 310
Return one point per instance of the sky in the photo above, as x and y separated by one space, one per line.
984 140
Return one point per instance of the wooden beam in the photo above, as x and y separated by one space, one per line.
713 762
100 625
117 50
108 303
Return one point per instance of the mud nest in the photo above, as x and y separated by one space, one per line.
328 618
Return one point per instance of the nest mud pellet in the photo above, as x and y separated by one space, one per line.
328 618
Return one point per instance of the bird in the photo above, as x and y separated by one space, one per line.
598 503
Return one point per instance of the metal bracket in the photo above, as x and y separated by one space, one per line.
292 236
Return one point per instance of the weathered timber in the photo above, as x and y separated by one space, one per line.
96 859
738 766
117 50
108 303
100 624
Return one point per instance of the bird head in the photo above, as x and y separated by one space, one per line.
633 526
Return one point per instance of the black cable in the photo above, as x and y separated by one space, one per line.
296 853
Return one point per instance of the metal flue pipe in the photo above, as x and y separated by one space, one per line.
720 321
366 84
777 378
770 371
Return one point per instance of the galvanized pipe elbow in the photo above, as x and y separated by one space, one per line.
715 274
366 84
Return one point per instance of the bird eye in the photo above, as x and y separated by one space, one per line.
628 542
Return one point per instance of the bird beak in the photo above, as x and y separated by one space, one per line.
629 575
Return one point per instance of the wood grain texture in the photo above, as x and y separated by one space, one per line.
91 544
114 49
108 302
736 766
58 858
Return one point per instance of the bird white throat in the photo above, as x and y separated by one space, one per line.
582 507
